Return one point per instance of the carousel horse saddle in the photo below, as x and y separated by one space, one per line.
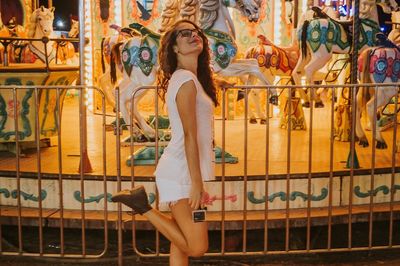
383 41
144 31
347 24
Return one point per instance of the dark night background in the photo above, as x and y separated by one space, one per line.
63 10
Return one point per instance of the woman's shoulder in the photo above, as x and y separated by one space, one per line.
182 74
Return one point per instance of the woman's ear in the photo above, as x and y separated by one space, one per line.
176 49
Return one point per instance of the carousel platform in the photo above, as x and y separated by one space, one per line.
244 188
234 144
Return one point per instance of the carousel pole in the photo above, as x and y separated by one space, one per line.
50 3
296 13
352 160
84 166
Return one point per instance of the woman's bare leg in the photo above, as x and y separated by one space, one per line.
177 257
191 238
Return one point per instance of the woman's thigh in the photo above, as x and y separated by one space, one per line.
196 234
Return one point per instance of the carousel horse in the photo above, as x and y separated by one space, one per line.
41 25
137 57
104 81
321 37
65 50
12 29
273 61
379 64
276 61
394 34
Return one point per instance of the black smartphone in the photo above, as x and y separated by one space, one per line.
199 216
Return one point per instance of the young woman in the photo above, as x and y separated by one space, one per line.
186 85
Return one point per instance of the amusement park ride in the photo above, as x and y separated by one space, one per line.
127 56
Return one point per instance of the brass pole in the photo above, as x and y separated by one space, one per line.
85 165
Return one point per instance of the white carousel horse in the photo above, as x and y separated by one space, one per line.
136 58
172 11
276 61
377 65
320 38
65 50
107 43
178 9
394 34
41 25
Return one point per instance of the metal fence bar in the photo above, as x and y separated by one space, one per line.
82 139
309 178
223 108
393 171
266 181
372 184
245 161
351 163
60 176
288 150
330 189
39 171
15 102
118 171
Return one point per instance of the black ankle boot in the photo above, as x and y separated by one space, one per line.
136 198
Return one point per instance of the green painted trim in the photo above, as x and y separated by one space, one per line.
97 199
26 196
5 191
292 197
219 36
385 190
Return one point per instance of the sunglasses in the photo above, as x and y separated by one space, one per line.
188 32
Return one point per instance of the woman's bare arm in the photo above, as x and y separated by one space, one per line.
186 103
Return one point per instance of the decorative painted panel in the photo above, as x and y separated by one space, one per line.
361 189
25 104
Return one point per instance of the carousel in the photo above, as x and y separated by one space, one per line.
286 149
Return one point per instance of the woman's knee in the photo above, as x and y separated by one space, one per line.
198 250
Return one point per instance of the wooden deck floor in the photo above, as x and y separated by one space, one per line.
235 145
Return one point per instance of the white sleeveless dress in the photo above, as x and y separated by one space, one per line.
172 172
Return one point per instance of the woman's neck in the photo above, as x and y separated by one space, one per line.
188 63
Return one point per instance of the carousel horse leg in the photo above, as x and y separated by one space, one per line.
147 129
317 62
363 141
254 98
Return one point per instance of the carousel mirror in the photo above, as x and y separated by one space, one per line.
144 11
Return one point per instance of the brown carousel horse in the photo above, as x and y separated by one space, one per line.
11 29
65 49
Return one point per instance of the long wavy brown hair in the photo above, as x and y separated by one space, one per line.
168 63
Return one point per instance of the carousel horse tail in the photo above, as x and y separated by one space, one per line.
144 31
304 38
365 77
319 13
103 66
115 57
